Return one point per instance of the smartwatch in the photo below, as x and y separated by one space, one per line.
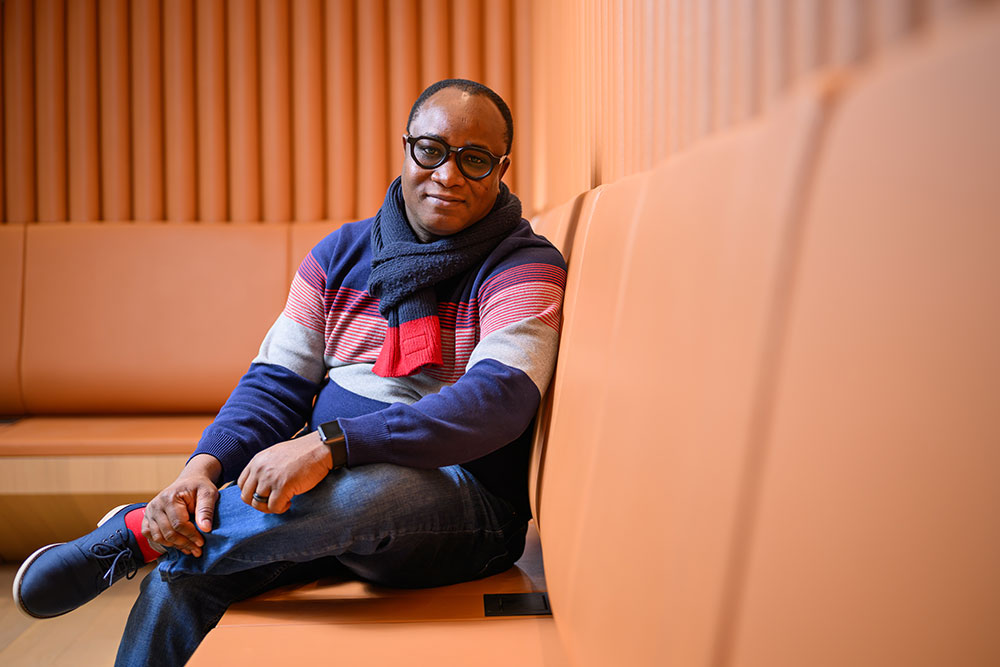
333 437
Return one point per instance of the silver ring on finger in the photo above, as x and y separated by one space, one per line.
260 499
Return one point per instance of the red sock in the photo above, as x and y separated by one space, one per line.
133 521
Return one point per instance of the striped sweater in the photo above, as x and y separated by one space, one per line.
499 334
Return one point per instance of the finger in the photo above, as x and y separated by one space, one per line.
241 480
261 499
204 510
179 518
247 487
276 501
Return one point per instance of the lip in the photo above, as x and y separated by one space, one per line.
445 200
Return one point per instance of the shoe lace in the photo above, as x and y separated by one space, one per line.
116 548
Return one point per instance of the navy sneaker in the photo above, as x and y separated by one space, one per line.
61 577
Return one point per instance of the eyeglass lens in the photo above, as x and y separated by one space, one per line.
431 153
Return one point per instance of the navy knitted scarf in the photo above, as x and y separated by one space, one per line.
405 272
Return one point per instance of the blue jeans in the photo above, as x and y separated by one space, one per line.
387 524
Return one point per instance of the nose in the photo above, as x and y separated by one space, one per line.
447 173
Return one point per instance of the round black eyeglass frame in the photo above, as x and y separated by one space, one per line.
494 160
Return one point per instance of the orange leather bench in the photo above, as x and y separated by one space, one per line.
772 434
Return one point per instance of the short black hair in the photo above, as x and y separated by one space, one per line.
473 88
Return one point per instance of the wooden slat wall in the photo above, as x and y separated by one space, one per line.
225 110
619 85
277 110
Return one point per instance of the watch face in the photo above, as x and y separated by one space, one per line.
329 431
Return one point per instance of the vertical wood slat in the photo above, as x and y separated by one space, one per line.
705 87
19 110
435 23
210 49
244 114
116 120
179 110
774 56
3 129
341 134
371 111
50 108
805 52
467 39
847 32
147 109
892 20
403 74
723 83
275 115
82 122
498 66
307 107
525 135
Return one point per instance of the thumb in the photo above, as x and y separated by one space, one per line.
204 509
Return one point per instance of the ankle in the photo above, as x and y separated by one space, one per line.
150 550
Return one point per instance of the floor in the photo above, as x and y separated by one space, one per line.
87 636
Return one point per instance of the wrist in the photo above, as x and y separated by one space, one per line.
204 465
331 435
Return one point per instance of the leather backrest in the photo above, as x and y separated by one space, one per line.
11 292
146 317
876 541
673 288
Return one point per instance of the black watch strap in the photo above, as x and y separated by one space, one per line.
333 437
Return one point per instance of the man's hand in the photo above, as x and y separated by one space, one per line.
168 518
285 470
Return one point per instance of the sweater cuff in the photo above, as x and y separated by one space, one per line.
226 448
365 436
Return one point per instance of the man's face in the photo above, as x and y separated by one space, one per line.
442 201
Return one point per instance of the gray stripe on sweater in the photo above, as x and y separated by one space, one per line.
295 347
528 345
359 379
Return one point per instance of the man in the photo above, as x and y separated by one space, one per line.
419 342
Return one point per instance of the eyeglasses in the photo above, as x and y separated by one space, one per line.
474 163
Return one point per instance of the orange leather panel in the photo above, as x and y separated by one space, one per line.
579 388
526 642
89 436
11 294
877 541
558 224
682 359
163 318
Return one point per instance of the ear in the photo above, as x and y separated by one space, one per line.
503 167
